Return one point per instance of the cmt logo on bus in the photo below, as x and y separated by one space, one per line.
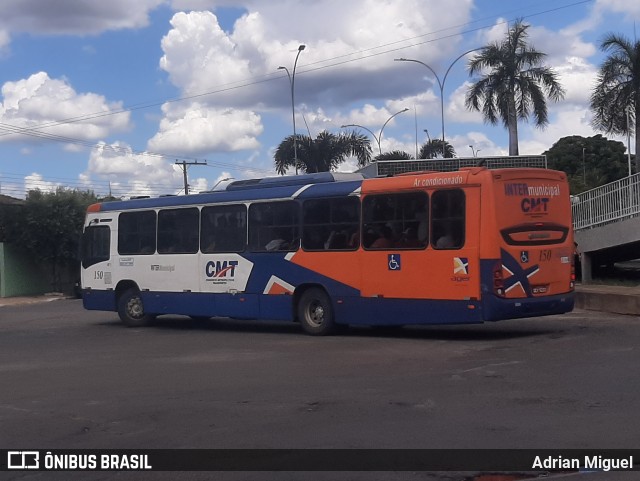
221 268
535 205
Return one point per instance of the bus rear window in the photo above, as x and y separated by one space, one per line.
533 234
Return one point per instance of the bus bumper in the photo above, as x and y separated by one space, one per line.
94 300
496 308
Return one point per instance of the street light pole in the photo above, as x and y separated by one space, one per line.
584 168
473 151
629 143
292 82
377 138
440 82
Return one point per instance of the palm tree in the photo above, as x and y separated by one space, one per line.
516 84
394 155
617 91
433 150
323 153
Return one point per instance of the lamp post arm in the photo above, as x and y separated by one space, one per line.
444 79
384 125
375 137
440 83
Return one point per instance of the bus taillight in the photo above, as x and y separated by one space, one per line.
498 281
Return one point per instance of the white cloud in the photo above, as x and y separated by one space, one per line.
198 129
629 8
578 78
201 58
81 18
132 173
39 101
35 181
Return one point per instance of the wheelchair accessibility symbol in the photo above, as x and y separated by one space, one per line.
394 262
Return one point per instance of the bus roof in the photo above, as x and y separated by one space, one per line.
322 184
300 186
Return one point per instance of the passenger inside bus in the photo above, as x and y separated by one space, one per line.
409 238
384 240
448 236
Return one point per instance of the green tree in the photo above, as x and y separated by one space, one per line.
617 90
48 227
516 85
588 161
322 154
394 155
433 149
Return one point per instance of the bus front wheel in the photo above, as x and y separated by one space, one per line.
131 309
315 312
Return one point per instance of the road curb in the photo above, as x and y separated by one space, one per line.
614 299
25 300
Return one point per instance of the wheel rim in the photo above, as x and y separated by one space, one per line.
315 314
135 308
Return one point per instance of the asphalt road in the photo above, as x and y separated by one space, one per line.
71 378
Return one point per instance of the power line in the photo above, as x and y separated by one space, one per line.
273 76
36 131
184 165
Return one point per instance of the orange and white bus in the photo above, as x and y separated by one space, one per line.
333 249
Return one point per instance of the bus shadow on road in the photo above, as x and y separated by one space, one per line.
475 332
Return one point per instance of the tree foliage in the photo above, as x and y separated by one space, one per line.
435 149
48 226
601 162
515 85
394 155
322 154
617 90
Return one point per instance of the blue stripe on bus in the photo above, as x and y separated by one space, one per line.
497 308
348 310
353 310
97 300
267 264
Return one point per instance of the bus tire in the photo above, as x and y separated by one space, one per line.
131 309
315 312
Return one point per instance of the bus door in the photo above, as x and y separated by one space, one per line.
453 262
533 213
421 246
224 270
394 237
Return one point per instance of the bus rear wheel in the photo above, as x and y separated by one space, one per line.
131 309
315 312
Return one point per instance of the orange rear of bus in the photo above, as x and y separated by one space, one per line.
533 243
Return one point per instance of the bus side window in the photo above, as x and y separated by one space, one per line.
331 224
178 231
395 221
274 226
448 219
224 228
137 232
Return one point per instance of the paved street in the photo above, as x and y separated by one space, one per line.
77 379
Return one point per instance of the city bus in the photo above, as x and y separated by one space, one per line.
331 249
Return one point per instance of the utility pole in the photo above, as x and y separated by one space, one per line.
184 165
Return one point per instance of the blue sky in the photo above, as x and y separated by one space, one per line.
108 95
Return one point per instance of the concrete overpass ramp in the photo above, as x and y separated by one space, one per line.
606 221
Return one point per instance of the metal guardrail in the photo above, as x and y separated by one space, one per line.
608 203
